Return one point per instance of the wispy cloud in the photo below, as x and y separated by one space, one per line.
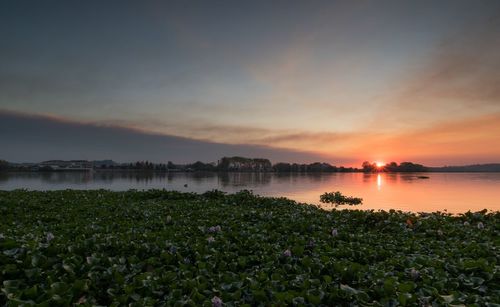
458 79
469 140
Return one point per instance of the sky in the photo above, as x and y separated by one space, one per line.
334 81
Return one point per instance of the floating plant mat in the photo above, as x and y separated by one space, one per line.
166 248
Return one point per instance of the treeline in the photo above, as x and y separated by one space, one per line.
150 166
313 167
225 164
264 165
491 167
240 164
393 167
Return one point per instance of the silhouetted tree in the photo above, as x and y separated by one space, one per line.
391 167
282 167
411 167
369 167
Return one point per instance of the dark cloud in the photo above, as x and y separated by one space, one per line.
28 137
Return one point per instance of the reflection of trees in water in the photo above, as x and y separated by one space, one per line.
104 176
84 177
20 176
142 177
65 177
208 180
194 177
317 177
295 177
4 176
244 179
390 177
409 177
285 177
199 177
369 177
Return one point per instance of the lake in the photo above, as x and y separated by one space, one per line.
454 192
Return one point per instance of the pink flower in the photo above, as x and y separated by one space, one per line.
335 232
216 301
480 225
215 229
50 236
82 300
210 239
287 253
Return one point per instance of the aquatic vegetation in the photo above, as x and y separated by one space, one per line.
338 199
121 248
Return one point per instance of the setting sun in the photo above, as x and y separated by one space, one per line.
379 164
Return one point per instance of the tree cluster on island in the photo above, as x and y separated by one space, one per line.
338 199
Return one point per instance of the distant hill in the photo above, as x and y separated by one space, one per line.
491 167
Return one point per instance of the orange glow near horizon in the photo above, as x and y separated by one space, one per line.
379 163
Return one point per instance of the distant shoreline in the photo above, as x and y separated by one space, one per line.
238 171
238 164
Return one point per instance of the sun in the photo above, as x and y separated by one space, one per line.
379 164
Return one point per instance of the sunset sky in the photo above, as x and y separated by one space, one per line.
336 81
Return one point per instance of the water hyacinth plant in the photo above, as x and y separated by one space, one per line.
50 236
216 301
114 248
215 229
338 199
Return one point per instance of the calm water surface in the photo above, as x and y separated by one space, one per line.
454 192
